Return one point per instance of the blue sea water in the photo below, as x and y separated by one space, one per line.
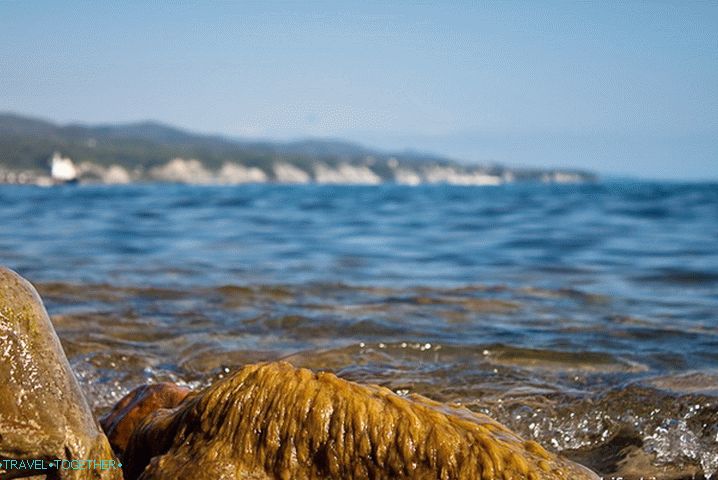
571 312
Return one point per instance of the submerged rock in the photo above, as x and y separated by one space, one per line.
43 414
275 421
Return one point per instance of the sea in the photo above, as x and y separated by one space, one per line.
584 316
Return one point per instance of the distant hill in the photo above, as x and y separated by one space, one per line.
26 144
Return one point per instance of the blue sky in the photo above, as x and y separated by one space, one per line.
626 88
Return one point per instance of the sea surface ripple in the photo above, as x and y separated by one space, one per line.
584 316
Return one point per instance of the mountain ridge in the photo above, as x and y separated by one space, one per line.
165 134
27 143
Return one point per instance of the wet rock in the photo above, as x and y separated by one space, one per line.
275 421
43 414
135 406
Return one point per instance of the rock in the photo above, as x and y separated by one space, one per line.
135 406
275 421
43 414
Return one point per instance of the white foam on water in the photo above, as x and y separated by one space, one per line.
673 442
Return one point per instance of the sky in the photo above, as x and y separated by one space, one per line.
620 88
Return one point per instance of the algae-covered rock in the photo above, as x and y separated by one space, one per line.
274 421
43 414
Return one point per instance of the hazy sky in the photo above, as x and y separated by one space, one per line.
615 87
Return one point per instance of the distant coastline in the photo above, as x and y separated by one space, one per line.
152 152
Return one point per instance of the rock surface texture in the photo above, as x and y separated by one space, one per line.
132 409
275 421
43 414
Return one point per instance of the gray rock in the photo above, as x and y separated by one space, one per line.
43 414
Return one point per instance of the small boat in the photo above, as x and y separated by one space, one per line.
62 169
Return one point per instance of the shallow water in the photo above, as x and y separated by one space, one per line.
582 316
